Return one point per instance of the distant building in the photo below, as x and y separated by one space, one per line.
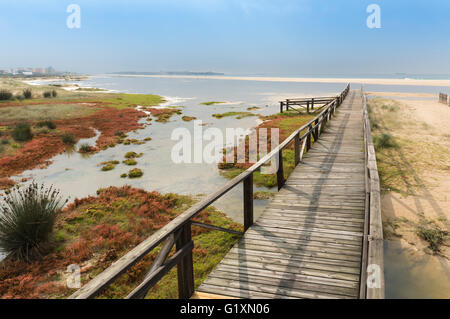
51 70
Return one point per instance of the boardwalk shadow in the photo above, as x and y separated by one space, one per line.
286 283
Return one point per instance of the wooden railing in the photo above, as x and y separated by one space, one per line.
372 261
306 103
443 98
178 232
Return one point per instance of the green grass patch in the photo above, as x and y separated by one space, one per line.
133 155
384 141
188 118
432 234
130 161
41 112
135 173
211 103
123 101
239 115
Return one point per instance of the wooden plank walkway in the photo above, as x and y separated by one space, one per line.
308 241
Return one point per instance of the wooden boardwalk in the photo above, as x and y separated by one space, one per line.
320 237
308 243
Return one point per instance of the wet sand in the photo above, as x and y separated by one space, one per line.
301 80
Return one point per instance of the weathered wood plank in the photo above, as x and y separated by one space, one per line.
308 242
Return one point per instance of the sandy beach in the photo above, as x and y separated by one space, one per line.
302 80
423 162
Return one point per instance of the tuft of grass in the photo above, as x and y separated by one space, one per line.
108 167
85 148
22 132
132 155
130 161
384 141
47 94
188 118
27 93
433 235
49 124
68 138
135 172
5 95
27 217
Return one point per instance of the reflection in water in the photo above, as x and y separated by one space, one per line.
410 274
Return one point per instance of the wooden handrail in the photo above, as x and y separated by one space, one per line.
372 261
182 223
443 98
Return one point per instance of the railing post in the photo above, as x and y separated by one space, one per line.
316 130
248 202
280 172
312 104
185 268
297 149
308 139
307 107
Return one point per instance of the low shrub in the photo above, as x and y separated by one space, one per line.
384 141
5 95
27 216
47 94
54 93
108 167
120 134
130 161
85 148
4 141
22 132
50 124
132 155
27 93
68 138
134 173
433 235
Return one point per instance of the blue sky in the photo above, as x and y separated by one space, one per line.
272 37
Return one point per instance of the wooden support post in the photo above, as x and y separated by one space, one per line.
185 268
248 202
308 139
307 107
297 149
281 107
312 104
316 130
280 172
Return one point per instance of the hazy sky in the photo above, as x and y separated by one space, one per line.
233 36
